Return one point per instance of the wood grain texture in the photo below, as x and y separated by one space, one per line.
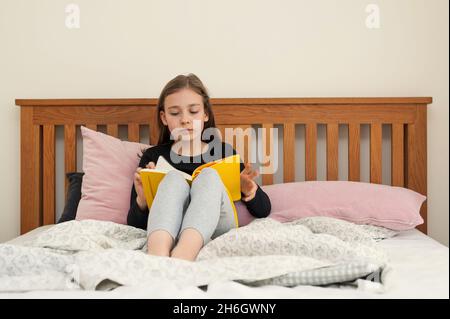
90 126
397 155
153 134
39 117
354 151
375 153
227 101
112 129
416 176
311 152
243 142
227 114
70 152
240 137
226 132
49 175
153 127
91 115
288 152
268 154
221 130
285 113
133 132
332 151
30 172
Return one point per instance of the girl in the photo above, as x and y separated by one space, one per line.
182 219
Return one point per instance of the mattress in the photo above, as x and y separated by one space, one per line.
419 268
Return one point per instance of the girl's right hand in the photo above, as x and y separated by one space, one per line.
140 199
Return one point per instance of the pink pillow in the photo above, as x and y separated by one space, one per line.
108 164
396 208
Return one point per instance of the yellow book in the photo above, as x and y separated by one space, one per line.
228 169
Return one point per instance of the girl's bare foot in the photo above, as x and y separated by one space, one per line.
189 245
159 243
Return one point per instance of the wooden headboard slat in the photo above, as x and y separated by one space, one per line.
311 152
397 155
267 143
49 175
407 117
416 159
133 132
376 140
242 134
31 176
153 127
289 152
112 129
332 151
70 152
354 150
247 139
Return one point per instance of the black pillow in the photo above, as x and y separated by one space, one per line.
73 197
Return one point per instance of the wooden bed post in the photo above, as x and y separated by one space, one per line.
416 158
30 171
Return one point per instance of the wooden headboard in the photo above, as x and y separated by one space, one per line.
407 117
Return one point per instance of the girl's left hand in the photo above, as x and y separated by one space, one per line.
248 185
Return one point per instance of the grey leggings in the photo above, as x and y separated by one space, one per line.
204 206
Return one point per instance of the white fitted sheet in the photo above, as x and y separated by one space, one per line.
419 268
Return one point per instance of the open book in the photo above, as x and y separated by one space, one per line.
228 169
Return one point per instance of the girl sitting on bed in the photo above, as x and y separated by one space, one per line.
182 219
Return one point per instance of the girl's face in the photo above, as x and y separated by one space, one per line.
181 110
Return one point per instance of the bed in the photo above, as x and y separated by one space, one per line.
409 275
419 270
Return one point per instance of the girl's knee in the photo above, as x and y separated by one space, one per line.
175 178
207 179
209 174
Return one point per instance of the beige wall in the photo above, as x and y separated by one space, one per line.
238 48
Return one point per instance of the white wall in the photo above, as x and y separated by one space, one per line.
255 48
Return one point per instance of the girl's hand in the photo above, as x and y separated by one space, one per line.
150 165
140 199
248 185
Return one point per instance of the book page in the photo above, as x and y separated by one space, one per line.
163 165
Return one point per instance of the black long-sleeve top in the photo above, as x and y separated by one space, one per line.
259 206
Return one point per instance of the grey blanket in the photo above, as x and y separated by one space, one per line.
101 255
